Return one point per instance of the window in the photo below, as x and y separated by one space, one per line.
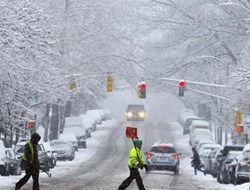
164 149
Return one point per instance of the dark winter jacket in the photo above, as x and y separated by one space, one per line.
196 158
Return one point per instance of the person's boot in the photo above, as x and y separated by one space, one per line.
16 187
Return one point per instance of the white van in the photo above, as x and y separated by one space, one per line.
74 125
200 124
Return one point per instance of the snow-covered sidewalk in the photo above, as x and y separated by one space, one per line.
64 167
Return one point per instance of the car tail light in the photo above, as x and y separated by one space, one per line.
176 156
150 155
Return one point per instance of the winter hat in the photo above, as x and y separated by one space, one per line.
35 137
138 143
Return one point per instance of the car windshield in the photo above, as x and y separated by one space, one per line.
158 149
135 108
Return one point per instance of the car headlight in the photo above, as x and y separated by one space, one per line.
142 114
129 114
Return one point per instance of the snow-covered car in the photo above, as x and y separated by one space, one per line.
207 154
14 162
71 138
90 122
64 149
188 122
135 112
163 157
184 115
42 155
4 162
106 114
200 135
51 154
96 115
231 159
242 173
75 125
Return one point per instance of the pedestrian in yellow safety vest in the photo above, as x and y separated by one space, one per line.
31 163
135 162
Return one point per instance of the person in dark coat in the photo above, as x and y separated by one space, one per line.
196 162
31 163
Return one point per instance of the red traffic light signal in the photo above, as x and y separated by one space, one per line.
142 90
239 128
30 124
182 83
143 85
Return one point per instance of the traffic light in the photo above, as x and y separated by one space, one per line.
31 124
110 83
142 90
239 120
239 128
182 86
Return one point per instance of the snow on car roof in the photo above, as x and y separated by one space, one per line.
211 145
77 131
200 122
163 144
73 121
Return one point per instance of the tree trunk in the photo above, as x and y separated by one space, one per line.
54 129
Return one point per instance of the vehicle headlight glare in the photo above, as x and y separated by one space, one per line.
129 114
142 114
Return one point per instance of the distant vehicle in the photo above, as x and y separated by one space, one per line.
105 114
199 124
71 138
89 123
64 149
75 126
188 122
163 157
14 162
135 112
96 115
198 135
184 115
42 155
51 154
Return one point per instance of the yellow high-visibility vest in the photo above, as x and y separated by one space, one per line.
135 157
32 151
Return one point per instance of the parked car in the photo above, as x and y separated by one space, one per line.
198 135
71 138
64 149
89 123
42 155
199 124
14 162
163 157
207 153
106 114
184 115
225 173
96 115
242 173
4 162
213 157
51 154
135 112
75 125
188 122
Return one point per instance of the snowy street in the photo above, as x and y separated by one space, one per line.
103 165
